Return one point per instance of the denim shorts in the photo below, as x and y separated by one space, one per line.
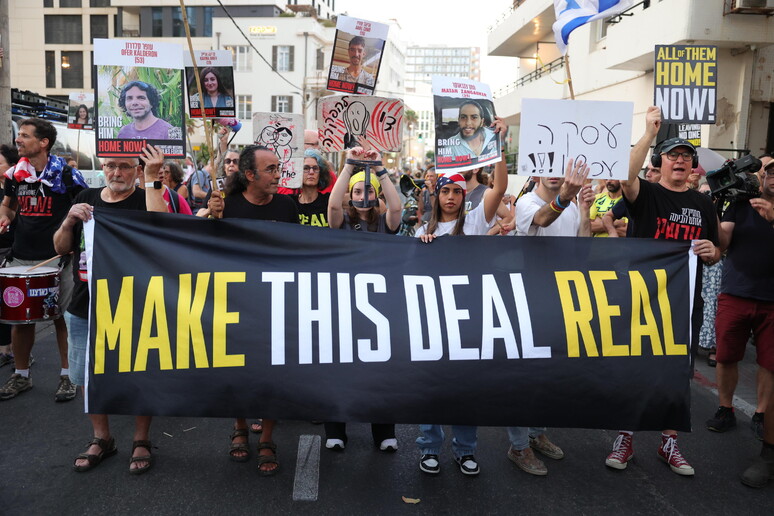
77 346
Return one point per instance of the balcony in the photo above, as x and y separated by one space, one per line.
545 82
519 30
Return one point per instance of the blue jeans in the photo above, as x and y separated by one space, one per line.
77 346
431 440
519 435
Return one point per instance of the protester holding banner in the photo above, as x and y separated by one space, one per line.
363 215
38 192
311 203
254 196
668 210
119 193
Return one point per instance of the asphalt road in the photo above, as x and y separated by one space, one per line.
193 475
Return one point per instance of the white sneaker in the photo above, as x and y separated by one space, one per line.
334 444
389 445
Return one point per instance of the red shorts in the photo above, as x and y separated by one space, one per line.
735 319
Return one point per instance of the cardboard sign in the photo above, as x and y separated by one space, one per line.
357 55
554 131
80 114
284 134
139 97
464 113
685 79
348 121
216 73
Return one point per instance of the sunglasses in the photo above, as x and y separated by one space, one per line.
229 161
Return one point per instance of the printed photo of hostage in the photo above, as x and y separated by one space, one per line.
465 138
139 105
80 114
218 88
357 54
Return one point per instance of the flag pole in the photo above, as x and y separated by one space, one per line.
569 77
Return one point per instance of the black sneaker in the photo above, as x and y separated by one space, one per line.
757 425
468 465
429 464
724 420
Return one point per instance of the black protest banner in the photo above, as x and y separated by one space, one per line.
685 80
283 321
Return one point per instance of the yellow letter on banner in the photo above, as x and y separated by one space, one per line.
114 328
220 318
576 321
154 306
666 317
189 321
641 306
606 313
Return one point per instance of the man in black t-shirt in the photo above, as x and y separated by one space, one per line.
254 196
39 191
667 210
120 193
745 304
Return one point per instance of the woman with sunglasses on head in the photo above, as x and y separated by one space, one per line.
363 218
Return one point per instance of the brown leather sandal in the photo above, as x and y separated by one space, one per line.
108 449
239 447
268 459
142 458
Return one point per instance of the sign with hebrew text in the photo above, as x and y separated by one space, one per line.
555 131
348 121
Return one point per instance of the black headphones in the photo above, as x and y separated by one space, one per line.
655 158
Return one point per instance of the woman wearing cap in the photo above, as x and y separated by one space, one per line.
368 218
448 218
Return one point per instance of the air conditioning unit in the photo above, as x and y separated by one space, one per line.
764 5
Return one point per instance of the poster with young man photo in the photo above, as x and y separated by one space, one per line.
139 97
216 74
464 113
80 114
357 55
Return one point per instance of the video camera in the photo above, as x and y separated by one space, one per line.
736 180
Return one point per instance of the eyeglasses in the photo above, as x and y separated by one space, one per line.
769 173
123 167
229 161
311 170
673 155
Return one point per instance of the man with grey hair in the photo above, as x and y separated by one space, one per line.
119 192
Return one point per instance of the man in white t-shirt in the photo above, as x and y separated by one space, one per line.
549 210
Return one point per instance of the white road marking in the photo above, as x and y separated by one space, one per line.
307 479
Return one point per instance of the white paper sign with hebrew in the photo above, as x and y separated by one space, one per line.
554 131
347 121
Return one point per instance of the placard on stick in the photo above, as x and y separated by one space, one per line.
216 73
80 114
554 131
464 113
357 55
348 121
283 133
685 80
139 97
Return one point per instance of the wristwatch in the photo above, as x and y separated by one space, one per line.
156 185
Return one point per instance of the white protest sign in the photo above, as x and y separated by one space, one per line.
554 131
283 133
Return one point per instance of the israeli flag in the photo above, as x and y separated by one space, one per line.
571 14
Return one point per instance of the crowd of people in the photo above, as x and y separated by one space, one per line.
46 203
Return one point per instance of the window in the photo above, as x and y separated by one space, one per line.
282 58
99 27
72 75
62 29
243 59
282 103
48 3
50 69
69 3
244 107
320 59
157 22
99 3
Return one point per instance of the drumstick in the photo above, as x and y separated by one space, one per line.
41 264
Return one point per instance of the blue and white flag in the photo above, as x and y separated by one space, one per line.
571 14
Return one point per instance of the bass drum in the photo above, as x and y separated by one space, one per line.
29 296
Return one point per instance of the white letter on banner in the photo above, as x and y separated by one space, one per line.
277 280
364 351
491 297
677 100
528 348
453 317
345 318
307 315
662 101
432 318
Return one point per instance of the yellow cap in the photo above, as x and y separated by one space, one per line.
360 177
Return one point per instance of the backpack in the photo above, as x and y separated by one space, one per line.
193 202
